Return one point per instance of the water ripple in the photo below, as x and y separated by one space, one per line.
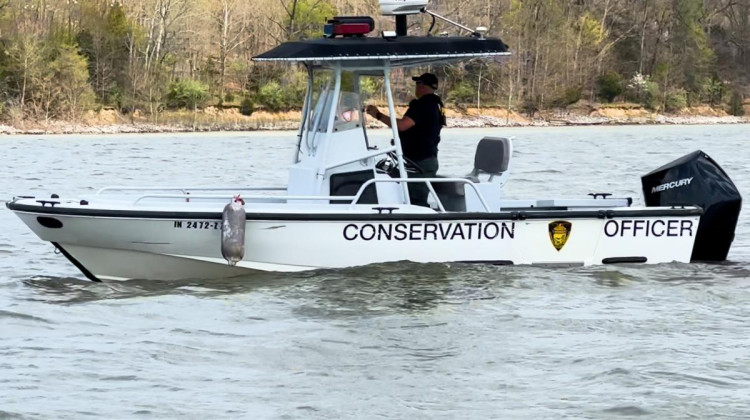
628 410
692 378
26 317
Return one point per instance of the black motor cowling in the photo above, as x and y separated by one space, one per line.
696 179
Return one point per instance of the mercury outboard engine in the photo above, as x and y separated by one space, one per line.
696 179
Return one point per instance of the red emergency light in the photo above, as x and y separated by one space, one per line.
348 26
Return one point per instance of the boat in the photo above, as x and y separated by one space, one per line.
347 202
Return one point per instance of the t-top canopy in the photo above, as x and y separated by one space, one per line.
400 51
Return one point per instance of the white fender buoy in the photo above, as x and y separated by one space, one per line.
233 231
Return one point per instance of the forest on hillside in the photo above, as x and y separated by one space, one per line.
60 58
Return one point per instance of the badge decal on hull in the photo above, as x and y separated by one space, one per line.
559 232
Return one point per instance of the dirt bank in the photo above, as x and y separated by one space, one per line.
215 119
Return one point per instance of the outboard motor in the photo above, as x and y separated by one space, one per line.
696 179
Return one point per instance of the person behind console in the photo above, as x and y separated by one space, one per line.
419 131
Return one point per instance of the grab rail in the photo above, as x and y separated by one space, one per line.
377 152
428 182
353 199
185 190
248 198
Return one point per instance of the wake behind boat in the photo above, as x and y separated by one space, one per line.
347 202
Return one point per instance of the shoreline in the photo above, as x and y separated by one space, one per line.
212 120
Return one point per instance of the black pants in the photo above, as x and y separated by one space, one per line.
418 192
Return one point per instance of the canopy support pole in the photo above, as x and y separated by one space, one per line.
394 129
303 131
333 109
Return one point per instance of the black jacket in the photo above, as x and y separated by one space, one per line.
421 141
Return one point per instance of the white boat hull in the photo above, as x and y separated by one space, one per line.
181 248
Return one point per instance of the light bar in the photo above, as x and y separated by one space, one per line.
348 26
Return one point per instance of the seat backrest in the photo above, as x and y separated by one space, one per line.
492 156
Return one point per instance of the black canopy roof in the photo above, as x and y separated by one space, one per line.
401 51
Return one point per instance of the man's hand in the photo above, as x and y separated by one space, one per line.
372 111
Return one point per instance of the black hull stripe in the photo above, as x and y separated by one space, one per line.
395 217
89 275
624 260
490 262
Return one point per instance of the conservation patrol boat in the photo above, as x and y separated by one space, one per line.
347 202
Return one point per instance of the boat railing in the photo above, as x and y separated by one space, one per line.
426 181
188 197
376 152
248 198
187 190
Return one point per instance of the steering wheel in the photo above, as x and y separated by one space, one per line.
389 165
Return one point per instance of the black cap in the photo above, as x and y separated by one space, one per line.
428 79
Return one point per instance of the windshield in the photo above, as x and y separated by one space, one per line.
348 112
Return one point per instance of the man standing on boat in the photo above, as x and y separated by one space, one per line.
419 131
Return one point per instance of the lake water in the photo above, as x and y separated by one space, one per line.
398 340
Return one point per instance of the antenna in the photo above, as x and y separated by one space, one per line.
479 32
